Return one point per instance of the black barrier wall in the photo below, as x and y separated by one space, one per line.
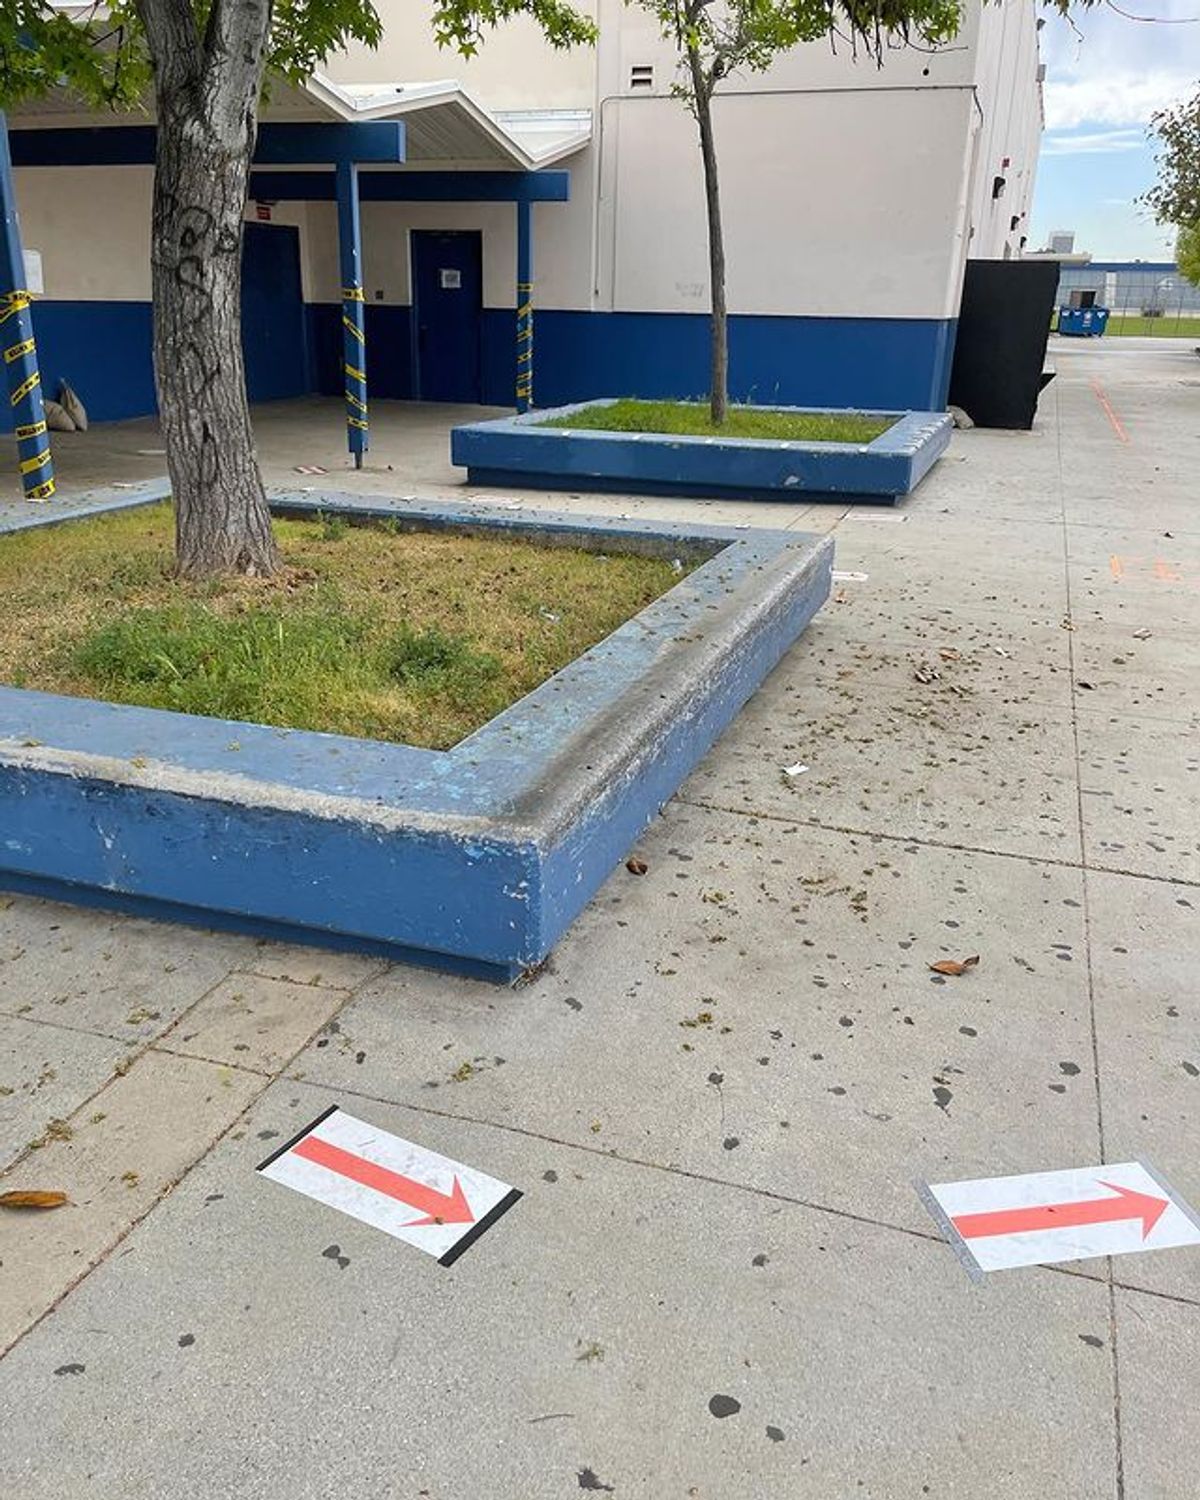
1000 351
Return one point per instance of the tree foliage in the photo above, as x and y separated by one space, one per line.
1175 197
1187 253
99 52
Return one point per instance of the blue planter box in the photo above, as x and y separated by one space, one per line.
520 451
475 858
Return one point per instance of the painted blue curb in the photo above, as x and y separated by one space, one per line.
521 450
474 859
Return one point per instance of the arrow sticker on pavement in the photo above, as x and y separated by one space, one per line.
996 1223
438 1205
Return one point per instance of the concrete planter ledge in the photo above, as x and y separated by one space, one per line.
521 451
474 859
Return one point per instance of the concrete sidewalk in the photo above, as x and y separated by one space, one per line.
720 1283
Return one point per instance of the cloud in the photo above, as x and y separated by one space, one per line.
1122 97
1108 70
1092 142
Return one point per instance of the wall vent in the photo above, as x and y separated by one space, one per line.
641 76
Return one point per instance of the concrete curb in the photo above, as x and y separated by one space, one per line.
474 859
520 450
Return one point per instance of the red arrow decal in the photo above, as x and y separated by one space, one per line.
1127 1204
438 1208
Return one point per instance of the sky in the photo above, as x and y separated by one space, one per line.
1103 82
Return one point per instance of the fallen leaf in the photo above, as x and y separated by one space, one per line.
841 597
1067 623
31 1198
948 653
926 673
953 966
636 866
1087 686
1142 635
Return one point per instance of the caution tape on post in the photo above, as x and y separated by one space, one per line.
39 461
12 303
15 351
24 388
352 294
30 430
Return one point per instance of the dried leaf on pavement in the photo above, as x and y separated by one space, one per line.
636 866
31 1198
953 966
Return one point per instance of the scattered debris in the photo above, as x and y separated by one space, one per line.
310 469
954 966
676 565
1066 623
796 770
848 577
959 417
724 1406
636 866
950 653
1000 651
1087 686
841 597
926 673
32 1198
591 1351
548 614
1143 634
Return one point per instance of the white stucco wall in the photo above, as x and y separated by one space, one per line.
849 190
515 67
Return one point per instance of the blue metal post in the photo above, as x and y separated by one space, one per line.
524 306
17 342
354 331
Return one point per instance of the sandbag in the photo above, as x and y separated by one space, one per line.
57 419
73 406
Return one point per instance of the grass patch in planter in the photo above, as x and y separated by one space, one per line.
413 637
691 419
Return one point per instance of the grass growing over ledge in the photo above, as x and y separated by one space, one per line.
417 637
691 419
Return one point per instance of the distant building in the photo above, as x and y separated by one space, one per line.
1144 288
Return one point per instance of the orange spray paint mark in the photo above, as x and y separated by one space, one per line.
1108 411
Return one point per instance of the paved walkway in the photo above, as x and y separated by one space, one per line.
720 1283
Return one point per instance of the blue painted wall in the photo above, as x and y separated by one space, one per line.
104 350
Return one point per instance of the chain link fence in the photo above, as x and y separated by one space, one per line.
1144 298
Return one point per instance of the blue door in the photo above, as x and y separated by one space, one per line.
447 314
273 313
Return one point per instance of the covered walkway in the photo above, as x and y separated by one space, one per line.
431 323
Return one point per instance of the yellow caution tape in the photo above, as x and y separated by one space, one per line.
41 491
24 388
28 465
15 302
352 294
356 422
352 327
355 374
15 351
32 430
352 400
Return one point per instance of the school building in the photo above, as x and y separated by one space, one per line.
565 190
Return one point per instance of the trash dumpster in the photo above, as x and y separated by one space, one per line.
1082 322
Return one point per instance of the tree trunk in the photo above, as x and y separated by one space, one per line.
719 375
207 96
